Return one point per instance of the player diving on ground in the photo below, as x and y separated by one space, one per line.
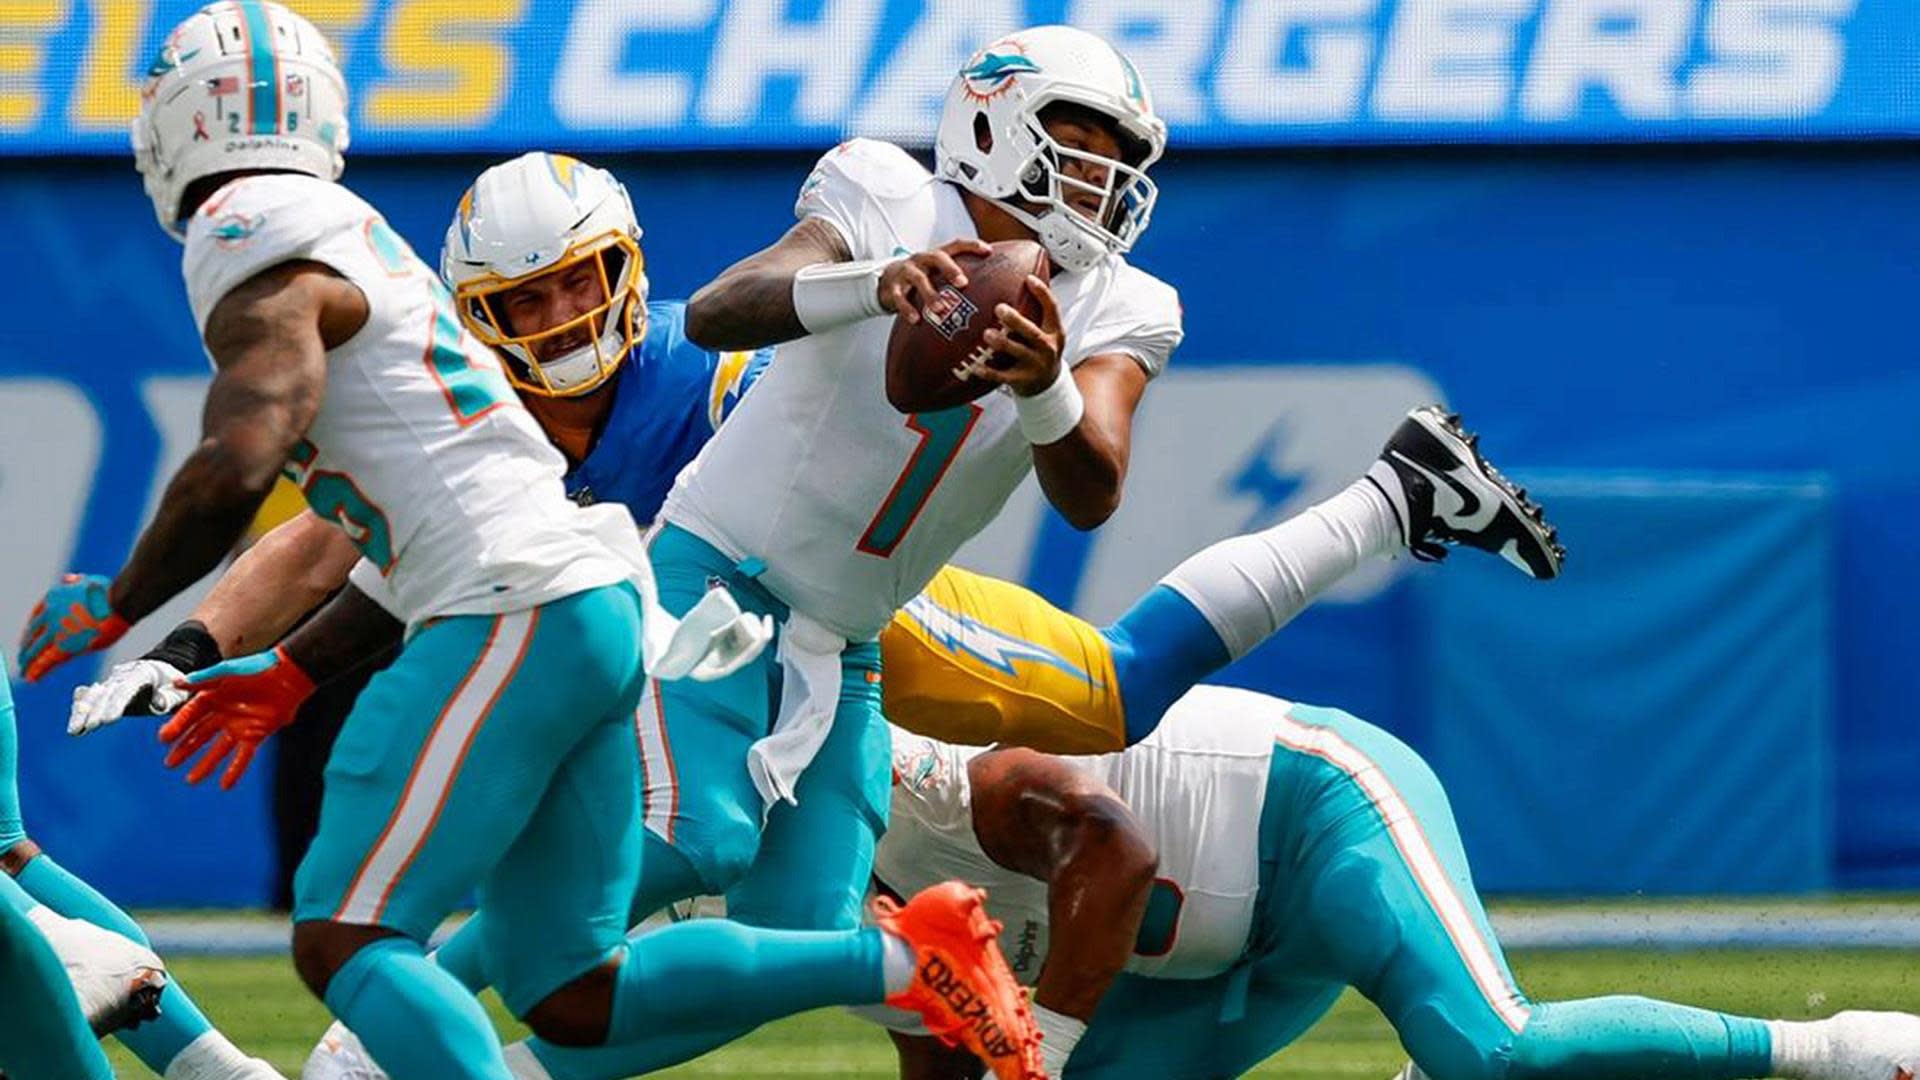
496 755
1189 907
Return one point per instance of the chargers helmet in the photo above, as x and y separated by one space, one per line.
537 214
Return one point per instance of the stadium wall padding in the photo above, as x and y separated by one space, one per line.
1742 309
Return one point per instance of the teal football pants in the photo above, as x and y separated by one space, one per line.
1364 883
496 754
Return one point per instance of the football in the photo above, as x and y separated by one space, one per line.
929 363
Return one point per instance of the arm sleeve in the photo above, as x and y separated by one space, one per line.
1142 320
852 188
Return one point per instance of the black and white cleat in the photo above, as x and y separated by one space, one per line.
1445 493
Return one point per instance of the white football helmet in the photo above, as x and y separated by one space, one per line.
240 84
539 214
991 141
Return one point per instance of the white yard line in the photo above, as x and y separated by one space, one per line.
1585 926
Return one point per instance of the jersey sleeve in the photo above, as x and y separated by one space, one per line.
1140 318
852 187
930 782
259 222
366 577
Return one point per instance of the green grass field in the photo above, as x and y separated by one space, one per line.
259 1003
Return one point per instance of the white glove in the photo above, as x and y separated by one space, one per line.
712 640
139 687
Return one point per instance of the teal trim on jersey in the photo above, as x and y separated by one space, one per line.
472 391
941 434
334 496
389 248
1160 925
261 61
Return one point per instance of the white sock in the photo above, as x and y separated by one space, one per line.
896 963
1802 1050
1250 586
213 1056
522 1064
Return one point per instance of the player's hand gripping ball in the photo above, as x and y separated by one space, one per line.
945 302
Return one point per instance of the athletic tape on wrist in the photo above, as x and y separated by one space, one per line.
1059 1034
1053 413
827 296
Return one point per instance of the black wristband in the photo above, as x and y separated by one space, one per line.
188 647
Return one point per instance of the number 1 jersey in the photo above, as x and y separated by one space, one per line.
851 506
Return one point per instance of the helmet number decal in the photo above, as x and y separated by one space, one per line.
941 435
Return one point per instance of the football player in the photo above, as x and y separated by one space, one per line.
178 1043
544 259
1191 906
496 753
42 1032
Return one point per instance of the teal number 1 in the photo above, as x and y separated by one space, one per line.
941 434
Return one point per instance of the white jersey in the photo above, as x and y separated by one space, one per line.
1197 785
420 452
851 506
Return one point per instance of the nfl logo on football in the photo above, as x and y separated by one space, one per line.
950 312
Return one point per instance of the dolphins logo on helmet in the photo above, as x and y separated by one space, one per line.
990 73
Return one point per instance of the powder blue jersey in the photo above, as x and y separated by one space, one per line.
668 399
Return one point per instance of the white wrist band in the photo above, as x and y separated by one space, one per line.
1059 1034
827 296
1053 413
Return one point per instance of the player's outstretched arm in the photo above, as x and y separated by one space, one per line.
750 305
1079 419
269 339
238 704
1038 816
284 575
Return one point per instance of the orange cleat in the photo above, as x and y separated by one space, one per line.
962 986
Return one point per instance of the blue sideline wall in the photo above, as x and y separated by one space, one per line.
1736 309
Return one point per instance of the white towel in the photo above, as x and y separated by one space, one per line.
713 639
810 695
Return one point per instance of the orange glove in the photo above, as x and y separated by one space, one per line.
235 706
72 619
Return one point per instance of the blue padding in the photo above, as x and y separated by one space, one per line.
1658 719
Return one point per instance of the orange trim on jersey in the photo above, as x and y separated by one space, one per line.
464 420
